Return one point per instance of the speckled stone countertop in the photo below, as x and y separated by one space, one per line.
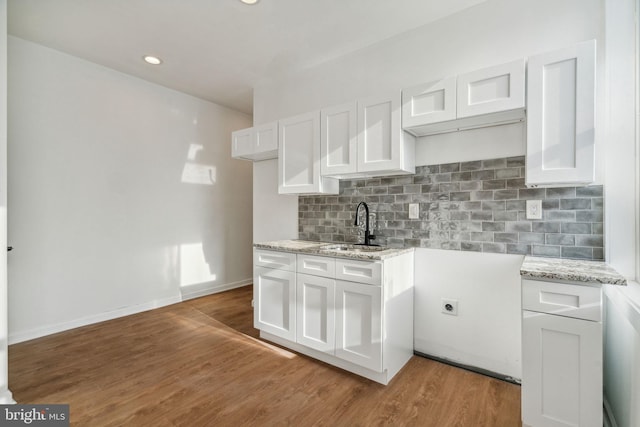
571 270
330 249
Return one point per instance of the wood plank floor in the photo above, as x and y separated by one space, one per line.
199 363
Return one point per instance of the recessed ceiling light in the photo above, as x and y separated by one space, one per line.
153 60
249 1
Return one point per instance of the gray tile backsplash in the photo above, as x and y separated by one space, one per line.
470 206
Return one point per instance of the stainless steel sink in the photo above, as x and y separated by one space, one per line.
352 248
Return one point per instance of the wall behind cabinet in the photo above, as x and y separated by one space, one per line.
122 194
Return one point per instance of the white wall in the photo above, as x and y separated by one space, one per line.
490 33
622 357
486 331
271 223
622 173
122 194
5 394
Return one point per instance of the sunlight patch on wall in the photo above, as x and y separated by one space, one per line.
196 173
194 268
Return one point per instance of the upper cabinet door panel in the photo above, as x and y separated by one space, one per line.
241 142
338 137
379 133
265 140
299 154
561 116
429 103
491 90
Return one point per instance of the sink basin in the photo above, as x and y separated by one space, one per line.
352 248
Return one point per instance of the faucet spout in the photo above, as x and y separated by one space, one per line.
367 232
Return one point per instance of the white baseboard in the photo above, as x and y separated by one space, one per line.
200 290
185 294
6 398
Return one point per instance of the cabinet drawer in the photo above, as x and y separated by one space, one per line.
317 265
359 271
577 301
274 259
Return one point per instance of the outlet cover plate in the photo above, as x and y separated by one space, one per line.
449 306
534 209
414 210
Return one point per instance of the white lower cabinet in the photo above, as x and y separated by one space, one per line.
315 312
561 355
363 324
359 324
274 294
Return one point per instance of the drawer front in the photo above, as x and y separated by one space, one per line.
317 265
274 259
359 271
577 301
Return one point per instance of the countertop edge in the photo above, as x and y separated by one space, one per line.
314 248
582 271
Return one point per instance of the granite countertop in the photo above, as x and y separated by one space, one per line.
571 270
339 250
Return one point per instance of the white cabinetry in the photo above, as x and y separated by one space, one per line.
486 97
561 354
357 315
339 146
359 324
383 147
256 143
429 103
274 293
315 312
560 116
299 157
365 138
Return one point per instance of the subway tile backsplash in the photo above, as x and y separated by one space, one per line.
470 206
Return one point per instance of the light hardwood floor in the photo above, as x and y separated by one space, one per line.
199 363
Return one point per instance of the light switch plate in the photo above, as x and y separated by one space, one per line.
414 210
534 209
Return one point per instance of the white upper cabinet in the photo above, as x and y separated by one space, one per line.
241 143
365 138
256 143
491 90
487 97
339 140
429 103
299 157
383 147
561 116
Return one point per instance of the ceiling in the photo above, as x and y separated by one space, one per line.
218 50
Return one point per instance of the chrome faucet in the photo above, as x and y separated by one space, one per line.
367 232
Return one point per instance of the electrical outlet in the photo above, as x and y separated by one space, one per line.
414 211
534 209
449 306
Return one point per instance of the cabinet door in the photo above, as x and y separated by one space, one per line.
560 116
429 103
274 295
299 153
379 134
359 324
241 143
491 90
338 140
265 141
315 312
561 371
